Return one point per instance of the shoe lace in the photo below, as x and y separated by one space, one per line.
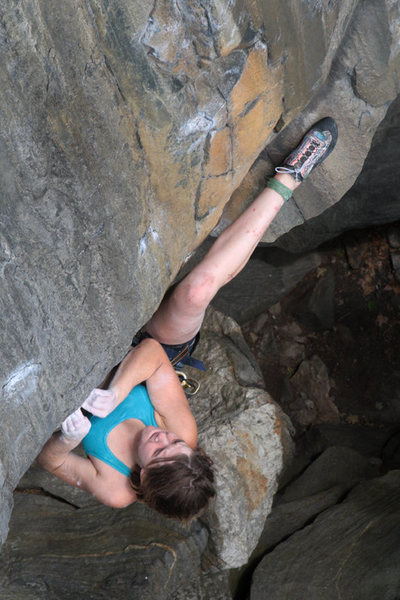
296 168
289 170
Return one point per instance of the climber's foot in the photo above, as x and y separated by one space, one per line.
316 145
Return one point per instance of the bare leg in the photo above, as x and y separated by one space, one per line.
181 313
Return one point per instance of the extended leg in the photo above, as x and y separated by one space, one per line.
181 313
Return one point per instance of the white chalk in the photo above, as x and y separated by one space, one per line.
22 380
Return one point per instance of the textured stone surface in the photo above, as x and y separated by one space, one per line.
337 466
373 199
307 394
124 129
262 283
363 81
350 551
247 436
288 517
322 485
366 441
59 553
111 134
207 586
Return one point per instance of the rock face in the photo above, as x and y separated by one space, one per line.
246 434
323 532
261 284
118 121
353 546
363 81
57 551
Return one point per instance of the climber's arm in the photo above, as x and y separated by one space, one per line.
138 366
149 363
58 458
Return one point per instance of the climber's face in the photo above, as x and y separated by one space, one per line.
158 443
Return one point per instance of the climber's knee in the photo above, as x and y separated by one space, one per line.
197 290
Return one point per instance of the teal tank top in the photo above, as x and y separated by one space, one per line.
136 405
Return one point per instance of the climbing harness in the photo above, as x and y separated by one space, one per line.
179 356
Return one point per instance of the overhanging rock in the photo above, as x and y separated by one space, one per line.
119 149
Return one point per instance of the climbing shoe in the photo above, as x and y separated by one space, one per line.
315 146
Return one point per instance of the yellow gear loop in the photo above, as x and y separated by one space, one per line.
190 386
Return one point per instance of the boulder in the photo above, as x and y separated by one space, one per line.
306 395
247 436
262 283
57 551
363 82
350 551
336 466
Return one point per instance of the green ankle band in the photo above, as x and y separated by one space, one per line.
282 190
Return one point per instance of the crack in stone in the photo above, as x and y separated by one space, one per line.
250 105
116 82
119 88
252 566
211 29
297 207
42 492
84 376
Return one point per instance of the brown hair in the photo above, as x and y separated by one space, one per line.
178 488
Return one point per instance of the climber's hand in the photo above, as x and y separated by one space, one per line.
75 427
100 402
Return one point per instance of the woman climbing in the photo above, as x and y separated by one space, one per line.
141 437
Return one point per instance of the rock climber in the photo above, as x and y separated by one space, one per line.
137 429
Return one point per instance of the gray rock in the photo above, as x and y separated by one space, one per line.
207 586
350 551
365 62
58 552
314 307
372 200
113 143
366 441
306 396
125 128
393 235
283 521
336 466
120 146
287 517
262 283
247 436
